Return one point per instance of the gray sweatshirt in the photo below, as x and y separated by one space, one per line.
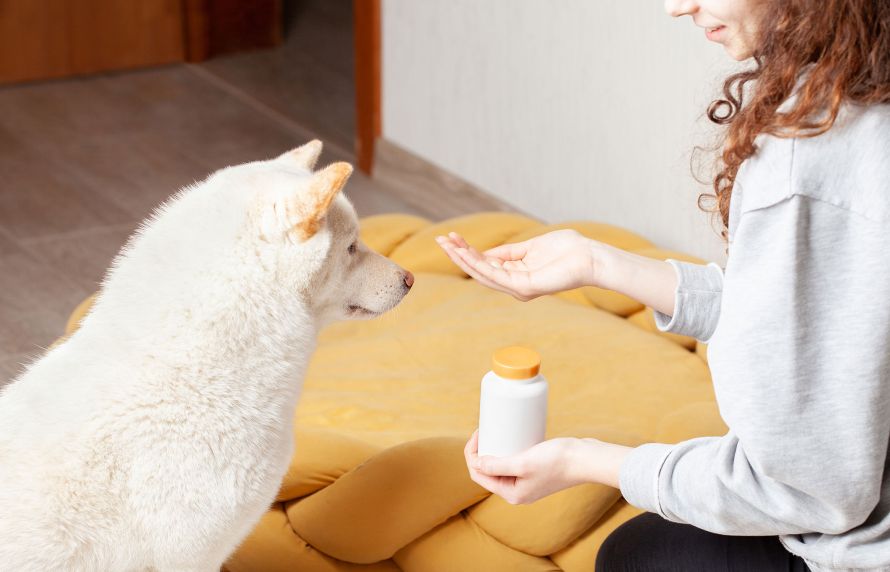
798 327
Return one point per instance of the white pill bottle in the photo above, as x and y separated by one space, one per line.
513 406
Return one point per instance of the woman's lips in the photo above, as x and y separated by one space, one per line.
714 34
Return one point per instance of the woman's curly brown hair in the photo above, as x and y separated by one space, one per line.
844 47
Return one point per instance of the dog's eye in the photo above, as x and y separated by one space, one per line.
353 247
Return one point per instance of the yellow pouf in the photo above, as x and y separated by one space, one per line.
378 482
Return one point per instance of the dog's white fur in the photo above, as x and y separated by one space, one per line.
157 435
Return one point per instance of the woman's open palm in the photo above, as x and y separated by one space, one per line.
553 262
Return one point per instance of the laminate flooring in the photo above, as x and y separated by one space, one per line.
84 160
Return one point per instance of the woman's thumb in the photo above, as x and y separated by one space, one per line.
498 466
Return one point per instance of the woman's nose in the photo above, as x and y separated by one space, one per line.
677 8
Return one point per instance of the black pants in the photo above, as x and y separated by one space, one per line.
649 543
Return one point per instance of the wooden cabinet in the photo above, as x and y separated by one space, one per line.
41 39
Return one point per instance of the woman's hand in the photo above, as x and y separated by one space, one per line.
562 260
546 468
553 262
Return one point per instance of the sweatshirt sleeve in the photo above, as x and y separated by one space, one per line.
801 370
696 301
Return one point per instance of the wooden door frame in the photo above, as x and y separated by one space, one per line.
367 35
216 27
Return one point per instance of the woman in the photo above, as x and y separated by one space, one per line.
798 323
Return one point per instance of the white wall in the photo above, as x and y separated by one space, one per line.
567 109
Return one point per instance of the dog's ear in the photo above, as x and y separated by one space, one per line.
314 205
304 156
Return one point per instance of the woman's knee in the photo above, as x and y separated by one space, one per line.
628 545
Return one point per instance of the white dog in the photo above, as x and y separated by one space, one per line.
158 434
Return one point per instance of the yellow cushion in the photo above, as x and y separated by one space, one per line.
378 481
581 554
417 484
645 319
383 233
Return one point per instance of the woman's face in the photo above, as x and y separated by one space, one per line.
728 22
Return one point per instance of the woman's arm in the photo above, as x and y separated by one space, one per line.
685 297
546 468
802 372
562 260
649 281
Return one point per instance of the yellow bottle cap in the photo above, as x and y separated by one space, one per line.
516 362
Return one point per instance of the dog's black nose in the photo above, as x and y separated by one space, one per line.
409 279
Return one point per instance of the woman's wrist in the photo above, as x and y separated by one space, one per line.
594 461
613 268
650 281
603 260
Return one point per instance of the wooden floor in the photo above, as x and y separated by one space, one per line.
82 161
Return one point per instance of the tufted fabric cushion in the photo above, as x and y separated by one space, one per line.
378 481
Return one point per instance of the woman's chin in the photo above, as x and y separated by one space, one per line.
738 53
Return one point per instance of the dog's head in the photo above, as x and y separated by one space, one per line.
275 235
306 232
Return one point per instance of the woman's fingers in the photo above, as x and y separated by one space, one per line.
514 251
475 261
496 484
493 262
466 267
455 241
515 265
472 267
458 239
487 271
496 275
491 466
450 250
514 466
501 486
496 256
472 446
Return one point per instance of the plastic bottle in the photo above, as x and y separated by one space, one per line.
513 406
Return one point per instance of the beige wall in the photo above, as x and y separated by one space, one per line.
566 109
